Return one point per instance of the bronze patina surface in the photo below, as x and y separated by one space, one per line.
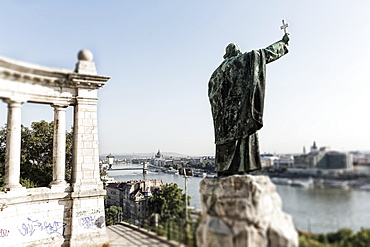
236 93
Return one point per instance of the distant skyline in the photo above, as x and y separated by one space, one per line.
161 54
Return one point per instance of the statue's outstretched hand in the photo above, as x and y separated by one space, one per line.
286 38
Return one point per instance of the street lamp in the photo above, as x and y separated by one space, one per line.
110 160
186 172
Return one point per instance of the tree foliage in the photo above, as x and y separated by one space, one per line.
169 203
360 239
36 154
342 238
113 215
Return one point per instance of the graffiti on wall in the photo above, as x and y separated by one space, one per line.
90 219
92 222
30 226
4 232
92 211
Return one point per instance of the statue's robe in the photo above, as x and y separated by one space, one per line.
236 92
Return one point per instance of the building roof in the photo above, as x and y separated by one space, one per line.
363 164
113 185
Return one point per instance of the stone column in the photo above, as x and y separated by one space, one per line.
13 146
88 193
85 171
87 188
59 145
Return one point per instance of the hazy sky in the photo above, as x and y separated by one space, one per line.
160 55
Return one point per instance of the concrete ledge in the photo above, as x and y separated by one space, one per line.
34 194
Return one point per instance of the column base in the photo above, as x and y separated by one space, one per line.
9 187
15 190
59 186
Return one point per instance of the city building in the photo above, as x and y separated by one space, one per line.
323 158
159 160
133 197
335 160
284 161
267 160
363 168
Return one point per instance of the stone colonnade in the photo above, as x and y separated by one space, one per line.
13 147
76 208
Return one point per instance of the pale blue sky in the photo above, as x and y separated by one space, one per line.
160 55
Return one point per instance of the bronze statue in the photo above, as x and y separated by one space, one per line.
236 92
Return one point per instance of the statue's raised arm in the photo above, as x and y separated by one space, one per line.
277 49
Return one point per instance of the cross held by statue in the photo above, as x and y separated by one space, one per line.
284 26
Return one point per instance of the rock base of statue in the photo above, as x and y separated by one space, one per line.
243 210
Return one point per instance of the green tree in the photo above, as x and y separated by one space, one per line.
360 239
307 239
340 235
342 238
113 215
36 154
169 203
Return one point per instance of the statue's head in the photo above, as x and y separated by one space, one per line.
232 50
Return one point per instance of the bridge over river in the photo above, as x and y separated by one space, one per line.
145 168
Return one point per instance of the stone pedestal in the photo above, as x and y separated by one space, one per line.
243 210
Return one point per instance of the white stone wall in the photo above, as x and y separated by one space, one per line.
63 214
40 218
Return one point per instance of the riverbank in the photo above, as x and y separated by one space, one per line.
344 181
318 209
301 179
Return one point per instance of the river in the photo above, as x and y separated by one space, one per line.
318 210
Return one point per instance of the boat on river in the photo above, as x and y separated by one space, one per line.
336 184
108 179
171 171
211 175
364 187
282 181
200 174
302 183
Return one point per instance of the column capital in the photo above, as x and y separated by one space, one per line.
14 101
86 101
60 106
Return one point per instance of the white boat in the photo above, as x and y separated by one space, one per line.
200 174
171 171
338 185
108 179
282 181
364 187
211 175
302 183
